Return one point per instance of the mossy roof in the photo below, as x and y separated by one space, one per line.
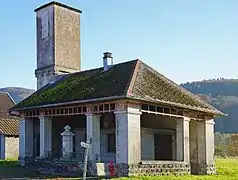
132 79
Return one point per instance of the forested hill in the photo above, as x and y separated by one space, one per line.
222 94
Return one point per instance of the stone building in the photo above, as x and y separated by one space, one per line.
131 114
9 129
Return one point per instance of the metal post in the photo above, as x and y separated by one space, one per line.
85 163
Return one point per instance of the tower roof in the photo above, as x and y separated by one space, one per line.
58 4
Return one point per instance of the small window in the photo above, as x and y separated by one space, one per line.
111 143
112 106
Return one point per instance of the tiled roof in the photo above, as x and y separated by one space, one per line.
9 126
147 84
132 79
6 102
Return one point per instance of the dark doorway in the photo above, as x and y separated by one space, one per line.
163 147
36 137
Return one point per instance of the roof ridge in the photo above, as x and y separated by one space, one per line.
8 94
94 69
132 78
183 90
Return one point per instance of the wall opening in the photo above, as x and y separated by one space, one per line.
36 137
108 137
158 138
78 127
163 147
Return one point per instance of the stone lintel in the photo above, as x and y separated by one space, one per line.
128 108
186 119
210 121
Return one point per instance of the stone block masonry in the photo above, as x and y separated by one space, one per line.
150 169
75 169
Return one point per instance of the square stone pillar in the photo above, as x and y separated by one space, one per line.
93 136
182 140
45 136
25 140
128 135
206 160
67 142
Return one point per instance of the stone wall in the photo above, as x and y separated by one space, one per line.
11 147
45 37
150 169
75 169
207 169
67 38
58 167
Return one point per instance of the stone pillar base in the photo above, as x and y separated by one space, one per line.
206 169
22 161
124 170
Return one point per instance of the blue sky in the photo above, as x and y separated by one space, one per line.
184 40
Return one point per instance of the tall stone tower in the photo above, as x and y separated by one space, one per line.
58 41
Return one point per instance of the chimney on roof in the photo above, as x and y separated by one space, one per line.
107 60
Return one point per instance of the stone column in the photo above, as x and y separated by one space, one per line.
182 140
93 136
25 140
67 142
45 136
128 136
206 147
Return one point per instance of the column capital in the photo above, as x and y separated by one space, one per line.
42 117
210 122
186 119
92 114
135 112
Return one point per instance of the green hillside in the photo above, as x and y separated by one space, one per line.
223 94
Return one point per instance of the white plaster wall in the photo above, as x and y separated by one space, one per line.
128 136
182 140
2 147
11 147
45 45
201 142
93 135
193 141
147 145
45 135
26 138
45 51
209 142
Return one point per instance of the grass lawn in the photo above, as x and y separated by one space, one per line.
226 169
12 169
